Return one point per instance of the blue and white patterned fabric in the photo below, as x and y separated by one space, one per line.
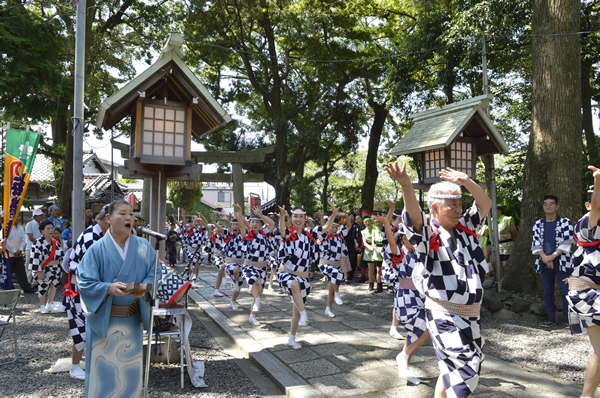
254 274
212 246
285 280
257 247
232 245
297 250
452 272
564 240
75 313
332 247
584 305
230 269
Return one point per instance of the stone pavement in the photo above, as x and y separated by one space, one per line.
351 355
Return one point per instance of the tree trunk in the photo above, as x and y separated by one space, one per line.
282 190
553 164
367 193
586 105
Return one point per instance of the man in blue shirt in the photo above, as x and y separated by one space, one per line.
54 212
552 240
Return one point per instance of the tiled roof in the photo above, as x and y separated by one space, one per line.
42 169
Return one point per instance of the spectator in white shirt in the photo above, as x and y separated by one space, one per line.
15 246
32 229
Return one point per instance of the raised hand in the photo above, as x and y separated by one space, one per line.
212 218
398 174
454 176
333 209
380 218
282 212
596 173
390 203
257 211
237 207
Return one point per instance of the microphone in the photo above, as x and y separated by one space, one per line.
149 232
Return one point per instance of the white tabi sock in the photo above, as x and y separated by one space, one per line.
402 360
303 316
256 305
393 329
336 295
73 367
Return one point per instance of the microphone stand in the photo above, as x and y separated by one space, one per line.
153 298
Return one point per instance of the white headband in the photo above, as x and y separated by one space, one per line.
445 196
298 212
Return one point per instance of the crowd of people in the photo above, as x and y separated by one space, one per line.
433 263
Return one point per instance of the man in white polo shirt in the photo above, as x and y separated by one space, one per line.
32 229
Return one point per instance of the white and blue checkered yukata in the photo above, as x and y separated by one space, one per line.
257 248
296 252
192 240
450 275
332 248
584 284
408 303
233 251
212 246
72 300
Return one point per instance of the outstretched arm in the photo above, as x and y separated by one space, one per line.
390 213
217 226
267 220
483 201
332 218
595 211
240 217
282 215
411 205
389 234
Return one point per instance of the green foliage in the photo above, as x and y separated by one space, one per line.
185 195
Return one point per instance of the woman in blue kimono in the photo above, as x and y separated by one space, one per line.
114 332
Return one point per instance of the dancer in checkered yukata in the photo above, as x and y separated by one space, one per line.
257 247
213 245
332 248
46 257
72 300
449 271
584 284
297 248
193 236
232 250
273 259
399 261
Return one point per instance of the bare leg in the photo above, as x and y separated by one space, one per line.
592 373
378 276
440 390
197 268
295 319
298 303
371 272
220 276
273 275
76 355
331 294
410 349
395 321
502 265
51 292
42 299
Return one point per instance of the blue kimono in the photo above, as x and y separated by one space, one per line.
113 360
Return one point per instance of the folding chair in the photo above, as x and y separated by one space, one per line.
10 298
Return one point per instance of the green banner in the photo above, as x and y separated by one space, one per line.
23 145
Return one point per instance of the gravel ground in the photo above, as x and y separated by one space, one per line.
551 351
43 339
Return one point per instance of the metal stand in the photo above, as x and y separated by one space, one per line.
154 303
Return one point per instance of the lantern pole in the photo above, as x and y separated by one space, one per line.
78 198
491 176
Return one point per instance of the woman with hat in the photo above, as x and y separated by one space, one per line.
257 247
298 247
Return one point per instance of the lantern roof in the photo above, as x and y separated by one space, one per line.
168 79
438 128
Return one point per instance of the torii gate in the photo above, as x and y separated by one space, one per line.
237 177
